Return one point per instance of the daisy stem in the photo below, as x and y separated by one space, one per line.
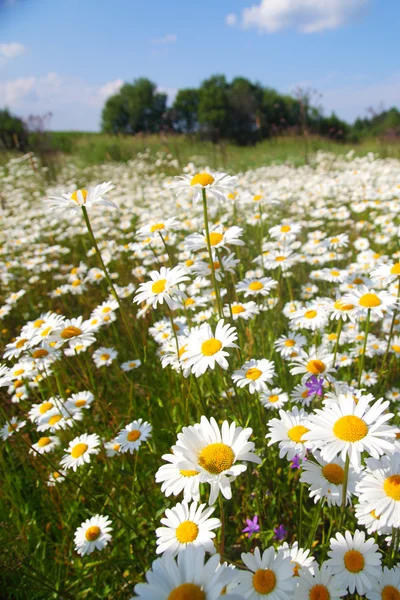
222 517
344 491
391 331
261 236
299 532
362 358
214 281
109 281
171 260
315 524
338 332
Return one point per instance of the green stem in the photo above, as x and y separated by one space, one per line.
222 516
391 331
214 281
314 527
362 358
109 281
338 332
344 491
171 260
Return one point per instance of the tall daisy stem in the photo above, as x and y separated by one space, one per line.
362 358
316 521
338 332
222 516
109 280
344 491
391 330
210 256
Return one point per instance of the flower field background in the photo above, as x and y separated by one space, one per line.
200 366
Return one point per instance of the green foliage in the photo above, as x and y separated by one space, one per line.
13 134
185 109
136 108
214 107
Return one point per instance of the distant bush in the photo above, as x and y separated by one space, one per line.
13 132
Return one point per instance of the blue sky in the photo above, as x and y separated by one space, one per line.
68 56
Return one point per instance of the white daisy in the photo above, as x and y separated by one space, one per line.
204 348
367 299
326 479
187 524
80 450
320 585
241 310
82 197
175 480
274 398
133 435
255 374
104 356
131 364
386 586
44 445
289 431
354 561
269 576
164 285
218 185
256 286
93 534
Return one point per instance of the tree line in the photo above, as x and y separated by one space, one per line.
240 111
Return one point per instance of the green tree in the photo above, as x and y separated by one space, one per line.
214 107
136 108
13 133
186 109
244 99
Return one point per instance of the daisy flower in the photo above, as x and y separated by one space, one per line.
187 578
56 477
319 585
215 453
104 356
153 228
274 398
204 348
366 299
299 557
379 487
93 534
218 186
255 374
386 586
269 576
187 524
369 519
133 435
44 445
163 286
289 431
80 450
175 480
348 429
290 345
326 479
82 197
338 309
244 310
386 273
131 364
256 286
317 362
219 238
10 428
354 561
4 375
310 317
79 400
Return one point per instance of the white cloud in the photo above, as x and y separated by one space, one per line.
171 93
170 38
110 88
307 16
231 19
9 51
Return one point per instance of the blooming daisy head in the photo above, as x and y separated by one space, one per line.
133 435
93 534
205 348
80 450
83 197
254 374
269 576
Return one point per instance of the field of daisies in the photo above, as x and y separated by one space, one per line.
199 381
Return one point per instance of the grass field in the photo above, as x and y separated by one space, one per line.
268 303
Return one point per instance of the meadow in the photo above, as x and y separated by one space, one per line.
199 379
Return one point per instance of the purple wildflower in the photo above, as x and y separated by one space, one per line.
280 533
252 526
315 386
295 464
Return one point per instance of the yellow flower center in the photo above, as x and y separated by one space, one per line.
157 227
203 179
350 428
290 343
189 302
45 407
396 348
18 384
369 301
76 283
105 356
358 281
237 309
354 561
273 398
264 581
315 366
54 419
395 270
70 332
40 353
280 258
133 435
21 343
44 441
74 195
187 591
310 314
333 473
296 433
215 238
392 487
211 347
38 323
116 447
188 472
335 273
390 593
56 474
255 286
187 532
80 403
285 228
339 305
92 533
216 458
257 198
19 372
158 286
78 450
189 262
319 592
253 373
